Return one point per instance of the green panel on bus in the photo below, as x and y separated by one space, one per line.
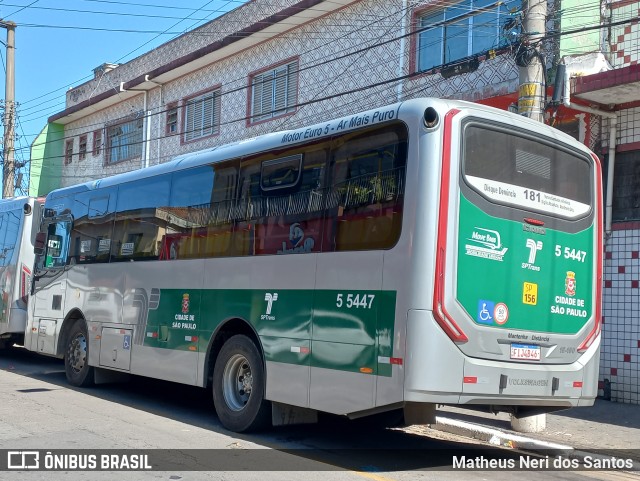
351 329
512 277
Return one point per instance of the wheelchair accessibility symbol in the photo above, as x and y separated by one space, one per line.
485 311
126 342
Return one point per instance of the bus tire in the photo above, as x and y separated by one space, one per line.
238 386
76 357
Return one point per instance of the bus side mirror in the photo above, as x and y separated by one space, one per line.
40 243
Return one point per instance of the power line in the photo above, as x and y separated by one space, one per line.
87 77
147 5
330 56
118 14
174 25
362 27
572 32
208 33
391 81
578 30
21 9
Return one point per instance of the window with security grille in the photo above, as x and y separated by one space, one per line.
97 142
124 140
82 148
460 30
202 116
68 152
172 119
273 92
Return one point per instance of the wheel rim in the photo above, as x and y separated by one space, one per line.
237 382
78 352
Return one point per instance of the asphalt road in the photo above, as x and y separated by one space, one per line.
177 427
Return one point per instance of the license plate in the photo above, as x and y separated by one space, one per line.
526 352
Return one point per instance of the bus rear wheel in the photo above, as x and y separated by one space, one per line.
238 386
76 357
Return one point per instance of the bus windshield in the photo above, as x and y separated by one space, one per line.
523 171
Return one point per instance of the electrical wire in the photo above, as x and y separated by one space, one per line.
330 57
567 33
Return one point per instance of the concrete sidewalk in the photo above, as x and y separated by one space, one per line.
606 428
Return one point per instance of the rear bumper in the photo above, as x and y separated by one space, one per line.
437 371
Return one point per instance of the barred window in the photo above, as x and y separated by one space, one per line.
82 148
97 142
124 140
172 119
68 152
202 116
274 92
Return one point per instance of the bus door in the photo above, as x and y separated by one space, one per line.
50 285
11 220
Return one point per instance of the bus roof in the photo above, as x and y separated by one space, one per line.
13 203
317 131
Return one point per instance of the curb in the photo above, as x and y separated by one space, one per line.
496 437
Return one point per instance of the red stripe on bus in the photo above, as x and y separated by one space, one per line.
595 332
442 317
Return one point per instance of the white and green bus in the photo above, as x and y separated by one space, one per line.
427 252
19 223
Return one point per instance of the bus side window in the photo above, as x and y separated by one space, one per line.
367 187
199 223
141 219
10 222
93 214
282 201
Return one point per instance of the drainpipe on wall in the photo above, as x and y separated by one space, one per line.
613 124
147 132
147 118
159 136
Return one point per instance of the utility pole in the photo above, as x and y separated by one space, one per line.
8 173
531 92
531 103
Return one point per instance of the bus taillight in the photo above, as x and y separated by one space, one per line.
535 222
595 332
440 313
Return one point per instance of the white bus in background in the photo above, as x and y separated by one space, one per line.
19 223
428 252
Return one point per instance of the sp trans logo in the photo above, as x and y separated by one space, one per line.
270 298
534 247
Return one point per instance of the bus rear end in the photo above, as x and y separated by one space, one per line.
19 219
517 287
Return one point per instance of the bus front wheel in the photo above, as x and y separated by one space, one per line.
76 357
238 386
